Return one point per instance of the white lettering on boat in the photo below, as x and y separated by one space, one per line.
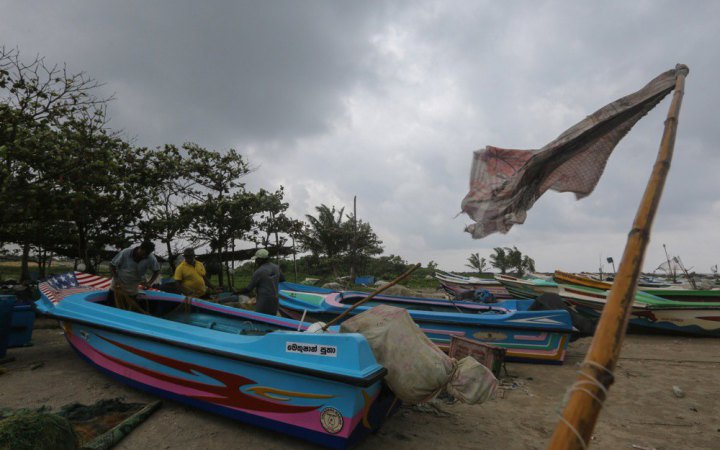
311 349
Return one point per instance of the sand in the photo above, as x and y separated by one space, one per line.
642 411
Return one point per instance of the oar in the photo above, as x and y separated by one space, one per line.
373 294
577 423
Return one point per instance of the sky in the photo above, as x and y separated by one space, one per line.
386 102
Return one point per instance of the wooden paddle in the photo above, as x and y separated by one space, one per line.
373 294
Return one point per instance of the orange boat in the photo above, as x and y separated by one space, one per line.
570 278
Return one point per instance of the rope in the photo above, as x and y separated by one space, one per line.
123 300
578 386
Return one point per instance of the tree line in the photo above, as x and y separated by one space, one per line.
503 259
72 186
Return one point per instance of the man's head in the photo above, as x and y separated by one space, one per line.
189 255
144 250
261 256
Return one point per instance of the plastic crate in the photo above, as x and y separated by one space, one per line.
489 356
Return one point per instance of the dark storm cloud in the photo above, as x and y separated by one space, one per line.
386 101
212 73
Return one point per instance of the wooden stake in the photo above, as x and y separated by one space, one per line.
575 428
373 294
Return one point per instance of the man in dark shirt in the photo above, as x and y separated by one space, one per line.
265 281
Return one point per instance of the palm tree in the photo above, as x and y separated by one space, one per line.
324 234
500 260
476 262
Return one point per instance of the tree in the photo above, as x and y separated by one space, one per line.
506 258
476 262
500 260
168 217
337 241
37 101
224 211
273 228
323 235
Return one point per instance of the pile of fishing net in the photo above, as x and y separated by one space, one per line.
97 426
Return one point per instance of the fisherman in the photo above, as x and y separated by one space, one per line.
265 281
128 269
191 276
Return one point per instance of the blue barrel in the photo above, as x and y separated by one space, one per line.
21 326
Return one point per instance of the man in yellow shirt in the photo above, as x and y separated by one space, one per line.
191 276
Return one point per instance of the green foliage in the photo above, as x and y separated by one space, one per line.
476 262
506 258
338 241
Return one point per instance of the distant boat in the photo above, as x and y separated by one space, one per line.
675 294
325 388
462 279
650 312
527 287
533 336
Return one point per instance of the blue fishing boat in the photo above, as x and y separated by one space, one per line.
532 336
260 369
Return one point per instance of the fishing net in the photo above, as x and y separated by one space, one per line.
98 426
32 430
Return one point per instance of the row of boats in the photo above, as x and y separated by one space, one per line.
327 388
665 308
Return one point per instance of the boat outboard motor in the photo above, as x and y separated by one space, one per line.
549 301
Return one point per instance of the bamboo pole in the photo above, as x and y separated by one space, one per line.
373 294
586 396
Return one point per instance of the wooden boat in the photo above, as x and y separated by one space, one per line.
649 311
454 290
687 295
324 388
675 294
474 282
580 280
531 336
527 287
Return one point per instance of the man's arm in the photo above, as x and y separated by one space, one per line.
207 283
253 283
152 281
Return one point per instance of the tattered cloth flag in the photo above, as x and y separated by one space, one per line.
504 183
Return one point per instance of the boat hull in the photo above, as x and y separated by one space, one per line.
528 336
660 315
325 388
522 288
170 372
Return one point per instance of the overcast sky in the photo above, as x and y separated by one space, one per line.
387 101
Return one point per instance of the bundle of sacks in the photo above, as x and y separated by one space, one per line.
417 369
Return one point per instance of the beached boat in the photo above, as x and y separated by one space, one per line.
463 292
649 311
687 295
464 280
527 287
580 280
676 294
325 388
533 336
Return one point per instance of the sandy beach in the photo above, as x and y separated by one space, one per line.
642 411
